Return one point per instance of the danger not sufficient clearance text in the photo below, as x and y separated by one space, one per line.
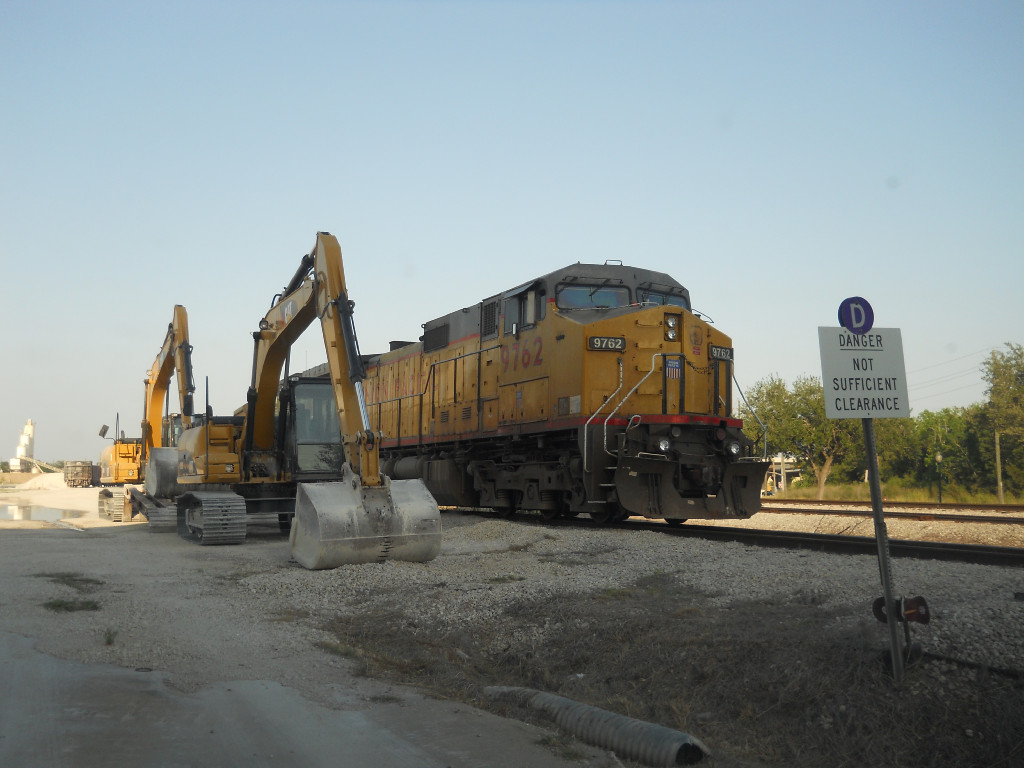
865 384
867 404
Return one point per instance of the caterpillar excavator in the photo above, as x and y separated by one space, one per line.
300 451
126 459
175 356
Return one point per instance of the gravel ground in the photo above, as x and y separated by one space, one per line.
209 614
487 563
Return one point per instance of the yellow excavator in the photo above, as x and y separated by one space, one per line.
121 461
175 355
126 459
300 451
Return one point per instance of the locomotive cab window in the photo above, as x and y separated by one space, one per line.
657 297
524 309
591 296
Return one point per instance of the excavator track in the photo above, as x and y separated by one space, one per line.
162 519
212 517
111 505
161 516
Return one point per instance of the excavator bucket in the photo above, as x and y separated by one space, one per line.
342 523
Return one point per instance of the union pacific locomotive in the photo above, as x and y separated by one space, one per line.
593 389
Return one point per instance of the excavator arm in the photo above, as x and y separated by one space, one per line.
175 355
317 290
335 311
363 517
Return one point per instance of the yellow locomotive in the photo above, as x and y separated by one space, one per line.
591 389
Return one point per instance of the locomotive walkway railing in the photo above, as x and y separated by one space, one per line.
430 383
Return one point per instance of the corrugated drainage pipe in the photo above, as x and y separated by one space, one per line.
633 739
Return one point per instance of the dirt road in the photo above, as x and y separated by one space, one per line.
119 646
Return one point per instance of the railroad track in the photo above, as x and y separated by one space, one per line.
912 510
843 544
822 542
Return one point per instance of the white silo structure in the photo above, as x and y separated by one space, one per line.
26 449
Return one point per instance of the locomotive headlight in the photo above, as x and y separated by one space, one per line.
733 448
672 323
664 444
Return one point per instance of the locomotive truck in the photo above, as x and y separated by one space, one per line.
593 389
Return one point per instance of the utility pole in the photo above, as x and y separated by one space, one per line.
999 472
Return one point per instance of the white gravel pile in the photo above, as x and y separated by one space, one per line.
488 565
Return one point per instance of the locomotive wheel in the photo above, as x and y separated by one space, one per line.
675 522
602 516
547 515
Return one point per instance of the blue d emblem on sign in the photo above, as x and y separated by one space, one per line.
856 315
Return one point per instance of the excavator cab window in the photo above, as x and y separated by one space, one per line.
315 430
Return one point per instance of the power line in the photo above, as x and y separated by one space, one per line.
954 360
944 379
940 394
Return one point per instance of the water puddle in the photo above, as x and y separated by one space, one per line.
35 512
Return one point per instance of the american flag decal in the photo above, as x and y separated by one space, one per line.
672 368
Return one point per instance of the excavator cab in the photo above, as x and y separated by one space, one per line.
312 435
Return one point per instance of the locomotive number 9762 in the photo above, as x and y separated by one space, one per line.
613 343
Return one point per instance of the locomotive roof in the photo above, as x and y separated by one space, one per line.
467 320
635 277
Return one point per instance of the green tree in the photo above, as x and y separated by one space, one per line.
944 433
1004 414
898 452
796 425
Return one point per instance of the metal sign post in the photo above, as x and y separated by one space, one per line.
864 377
892 611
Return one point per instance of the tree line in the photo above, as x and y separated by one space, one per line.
960 443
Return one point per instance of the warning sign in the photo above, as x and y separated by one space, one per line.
863 374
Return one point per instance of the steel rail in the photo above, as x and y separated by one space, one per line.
939 516
842 544
833 543
774 503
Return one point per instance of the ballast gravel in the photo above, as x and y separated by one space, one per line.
486 565
215 613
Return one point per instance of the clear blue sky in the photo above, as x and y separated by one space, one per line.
775 157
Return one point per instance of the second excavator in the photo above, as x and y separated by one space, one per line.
300 451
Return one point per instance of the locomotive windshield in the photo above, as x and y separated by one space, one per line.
657 297
591 296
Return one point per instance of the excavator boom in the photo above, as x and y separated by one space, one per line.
175 355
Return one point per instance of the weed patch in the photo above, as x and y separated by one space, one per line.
76 581
71 606
773 684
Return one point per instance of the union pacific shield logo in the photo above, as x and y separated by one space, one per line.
696 338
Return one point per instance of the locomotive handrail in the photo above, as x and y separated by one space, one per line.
623 401
586 431
426 385
764 429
